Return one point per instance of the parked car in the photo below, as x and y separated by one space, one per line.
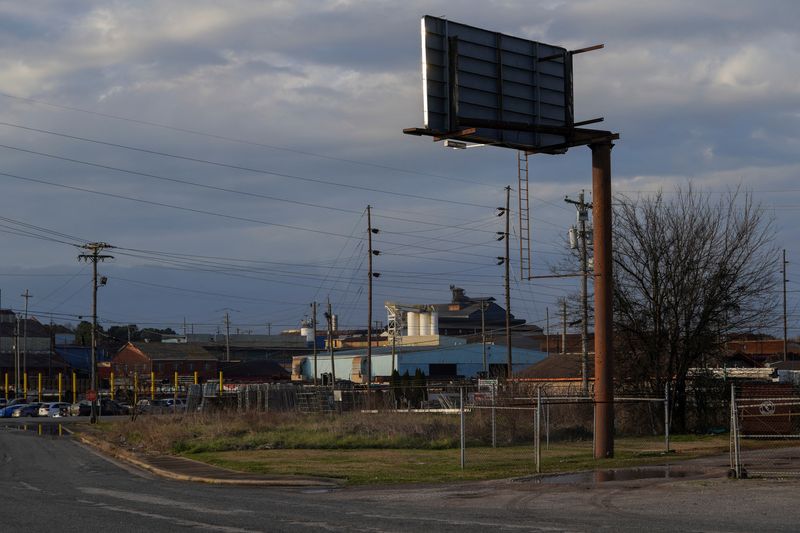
13 406
105 406
76 408
3 402
31 409
54 409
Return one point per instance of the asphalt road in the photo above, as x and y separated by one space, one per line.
55 484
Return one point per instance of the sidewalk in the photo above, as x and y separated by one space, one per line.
183 469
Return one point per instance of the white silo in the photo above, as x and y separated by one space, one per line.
307 331
424 323
434 323
412 322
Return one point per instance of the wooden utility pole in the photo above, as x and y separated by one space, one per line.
227 337
483 337
563 326
583 217
547 330
95 255
785 328
314 342
507 262
329 317
27 295
369 297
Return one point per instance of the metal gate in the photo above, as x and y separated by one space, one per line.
765 430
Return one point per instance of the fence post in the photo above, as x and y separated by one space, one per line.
736 459
666 416
195 377
25 383
594 426
5 385
74 388
39 386
60 387
494 421
461 412
538 430
175 395
220 383
111 386
547 426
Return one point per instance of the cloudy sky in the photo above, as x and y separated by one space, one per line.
229 149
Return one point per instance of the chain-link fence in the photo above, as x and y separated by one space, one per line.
485 423
765 430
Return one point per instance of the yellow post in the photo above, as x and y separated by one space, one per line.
111 385
175 393
135 387
60 387
25 384
5 385
220 382
195 377
39 386
152 385
74 388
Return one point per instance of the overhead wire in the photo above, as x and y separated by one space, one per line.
231 166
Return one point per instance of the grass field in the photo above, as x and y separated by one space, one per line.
368 448
385 466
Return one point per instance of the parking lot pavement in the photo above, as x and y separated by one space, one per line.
53 483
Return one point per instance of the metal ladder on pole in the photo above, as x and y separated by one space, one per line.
524 216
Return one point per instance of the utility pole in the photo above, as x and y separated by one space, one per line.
583 216
785 329
563 326
16 355
227 337
483 337
314 343
369 297
95 255
547 330
507 263
329 317
371 274
27 297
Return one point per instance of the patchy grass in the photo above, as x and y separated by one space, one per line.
368 448
230 432
370 466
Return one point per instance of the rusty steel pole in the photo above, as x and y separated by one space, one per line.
603 352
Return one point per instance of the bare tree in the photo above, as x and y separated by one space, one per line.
688 271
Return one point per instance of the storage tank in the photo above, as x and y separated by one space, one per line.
334 322
434 323
307 331
424 323
412 322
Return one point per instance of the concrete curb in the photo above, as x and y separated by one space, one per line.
128 457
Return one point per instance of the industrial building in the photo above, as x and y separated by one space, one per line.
449 361
463 315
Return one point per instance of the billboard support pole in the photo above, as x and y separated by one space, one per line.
603 353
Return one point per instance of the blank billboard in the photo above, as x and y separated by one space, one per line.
478 78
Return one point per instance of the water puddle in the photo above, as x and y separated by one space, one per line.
42 430
622 474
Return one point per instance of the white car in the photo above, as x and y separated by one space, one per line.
55 409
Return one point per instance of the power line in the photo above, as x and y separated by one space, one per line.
244 141
243 168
